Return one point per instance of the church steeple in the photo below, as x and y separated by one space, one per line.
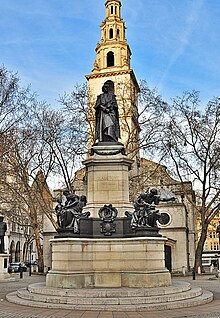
113 27
112 65
113 50
113 8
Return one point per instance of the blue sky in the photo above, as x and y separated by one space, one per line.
50 43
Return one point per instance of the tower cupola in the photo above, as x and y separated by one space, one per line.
113 8
113 51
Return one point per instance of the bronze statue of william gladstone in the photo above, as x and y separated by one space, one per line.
107 117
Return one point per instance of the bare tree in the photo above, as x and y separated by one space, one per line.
141 125
152 118
39 144
26 149
78 118
23 196
14 100
191 142
141 116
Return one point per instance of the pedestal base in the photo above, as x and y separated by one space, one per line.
124 262
96 228
108 181
4 260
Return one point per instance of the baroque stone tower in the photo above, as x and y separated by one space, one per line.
112 65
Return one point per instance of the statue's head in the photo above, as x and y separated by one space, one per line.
59 200
153 191
70 196
143 195
105 88
73 197
66 192
83 198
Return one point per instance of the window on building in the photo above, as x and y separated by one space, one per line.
110 59
211 246
164 218
118 33
214 234
13 227
215 246
210 234
112 9
111 34
206 246
115 10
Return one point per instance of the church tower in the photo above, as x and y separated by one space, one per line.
112 65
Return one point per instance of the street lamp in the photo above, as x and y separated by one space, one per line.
218 265
30 260
218 258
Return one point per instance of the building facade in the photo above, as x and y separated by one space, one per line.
19 243
211 252
177 222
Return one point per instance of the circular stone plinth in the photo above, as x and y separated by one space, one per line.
108 148
178 295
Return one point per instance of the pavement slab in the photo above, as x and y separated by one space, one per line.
10 310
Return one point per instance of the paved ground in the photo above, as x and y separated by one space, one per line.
9 310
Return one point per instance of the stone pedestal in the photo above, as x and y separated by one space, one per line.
122 262
108 182
108 252
4 261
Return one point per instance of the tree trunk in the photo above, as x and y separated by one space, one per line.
39 250
199 249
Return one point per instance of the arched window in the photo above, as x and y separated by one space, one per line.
110 59
111 34
17 252
116 10
25 251
12 252
112 9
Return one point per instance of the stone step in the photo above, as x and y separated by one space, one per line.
25 294
204 298
176 287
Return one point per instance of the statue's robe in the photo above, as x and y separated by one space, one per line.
107 118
